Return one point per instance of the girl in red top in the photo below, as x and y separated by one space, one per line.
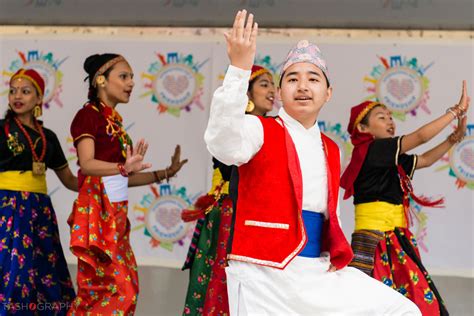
107 272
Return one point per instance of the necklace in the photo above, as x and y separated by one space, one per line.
115 128
38 166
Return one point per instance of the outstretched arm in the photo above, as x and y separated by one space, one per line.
143 178
231 136
430 130
432 155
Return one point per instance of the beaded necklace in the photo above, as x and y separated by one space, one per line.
115 128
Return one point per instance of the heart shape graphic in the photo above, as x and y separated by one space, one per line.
400 89
168 217
467 157
175 84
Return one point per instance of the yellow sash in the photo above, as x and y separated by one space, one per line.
217 180
381 216
23 181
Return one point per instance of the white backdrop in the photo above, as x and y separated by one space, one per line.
198 63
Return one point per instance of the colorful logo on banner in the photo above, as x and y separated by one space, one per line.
342 139
460 161
273 67
174 82
47 66
399 83
159 215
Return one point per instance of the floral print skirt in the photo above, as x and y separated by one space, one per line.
397 263
35 279
107 277
207 290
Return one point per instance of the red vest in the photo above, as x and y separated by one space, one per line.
269 227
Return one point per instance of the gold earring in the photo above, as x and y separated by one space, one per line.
37 111
250 106
100 81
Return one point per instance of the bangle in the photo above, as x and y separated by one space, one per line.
156 179
451 110
122 170
166 175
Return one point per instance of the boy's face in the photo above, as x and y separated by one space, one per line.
303 92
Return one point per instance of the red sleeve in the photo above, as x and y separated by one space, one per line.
85 123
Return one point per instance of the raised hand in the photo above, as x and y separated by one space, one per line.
134 162
242 41
465 100
176 162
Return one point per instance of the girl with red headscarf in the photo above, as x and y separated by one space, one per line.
36 279
379 177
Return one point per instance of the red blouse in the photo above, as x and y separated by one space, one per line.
91 122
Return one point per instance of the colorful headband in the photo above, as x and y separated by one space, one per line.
258 71
305 52
106 67
33 76
358 113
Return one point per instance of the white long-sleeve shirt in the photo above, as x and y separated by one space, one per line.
234 138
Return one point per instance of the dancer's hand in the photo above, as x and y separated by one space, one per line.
242 41
458 135
332 268
134 162
465 100
176 162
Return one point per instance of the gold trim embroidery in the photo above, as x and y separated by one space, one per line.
84 135
267 224
415 161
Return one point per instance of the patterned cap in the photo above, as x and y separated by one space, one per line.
305 52
33 76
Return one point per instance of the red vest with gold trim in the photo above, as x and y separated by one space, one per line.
269 227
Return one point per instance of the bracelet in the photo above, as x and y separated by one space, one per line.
156 179
450 110
457 111
166 175
122 170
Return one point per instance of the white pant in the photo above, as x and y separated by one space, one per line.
305 287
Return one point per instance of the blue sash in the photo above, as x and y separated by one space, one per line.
313 223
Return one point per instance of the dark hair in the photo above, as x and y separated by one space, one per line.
325 77
9 114
91 65
365 119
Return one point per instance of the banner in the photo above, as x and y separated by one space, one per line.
174 83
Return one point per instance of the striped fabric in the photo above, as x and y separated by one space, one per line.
363 245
